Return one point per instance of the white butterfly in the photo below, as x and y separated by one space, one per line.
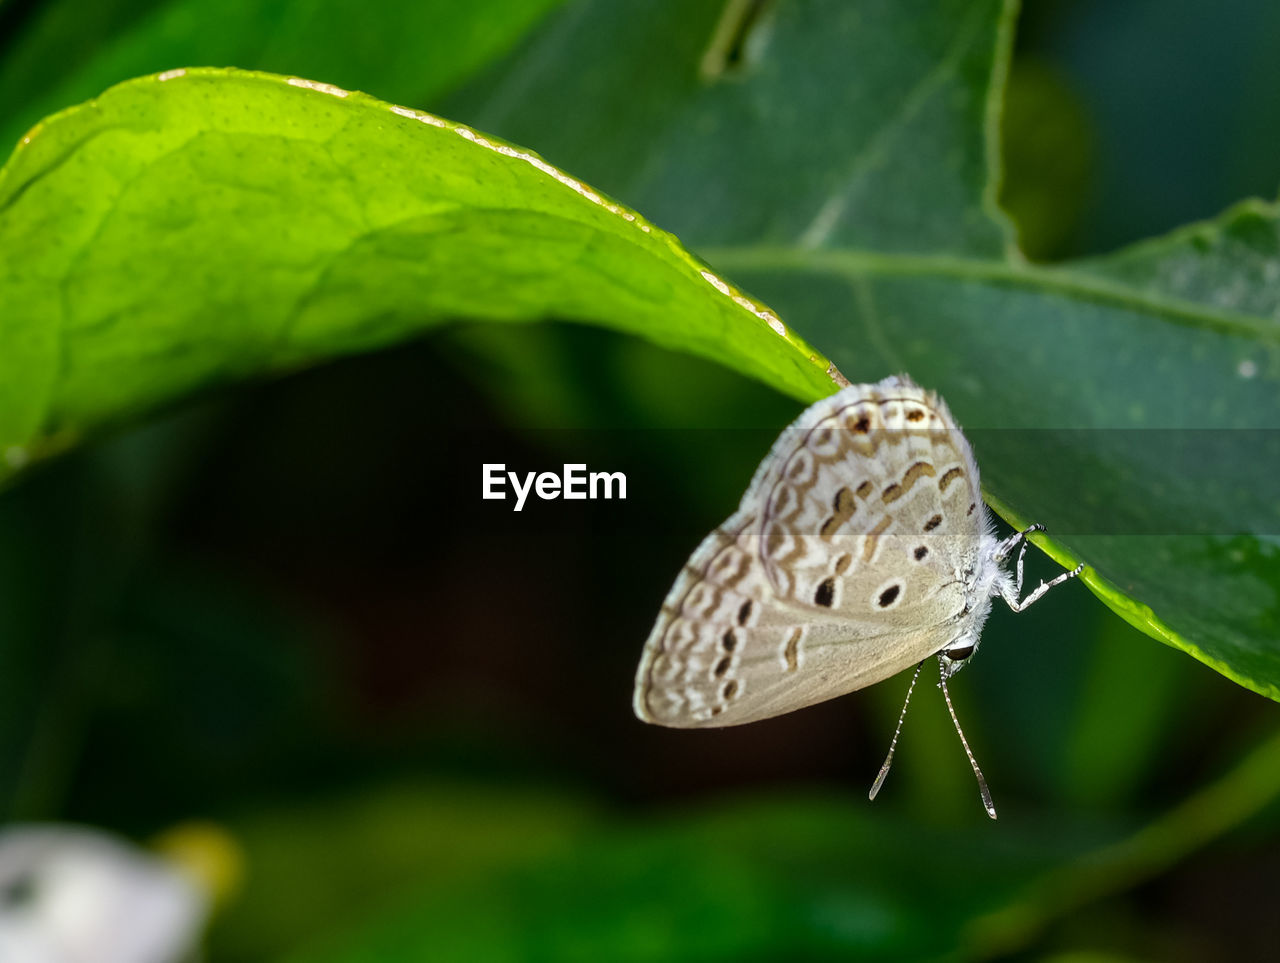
861 547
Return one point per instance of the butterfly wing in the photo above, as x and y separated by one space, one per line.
871 508
792 600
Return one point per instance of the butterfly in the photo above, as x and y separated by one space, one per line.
861 547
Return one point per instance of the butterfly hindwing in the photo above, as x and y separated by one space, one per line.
725 650
817 586
715 607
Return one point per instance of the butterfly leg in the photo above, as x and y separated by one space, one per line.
1012 597
1005 547
1022 554
1011 593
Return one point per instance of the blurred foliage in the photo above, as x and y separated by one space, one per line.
278 610
1181 101
1048 150
68 51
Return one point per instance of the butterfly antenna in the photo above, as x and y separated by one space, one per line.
884 770
982 783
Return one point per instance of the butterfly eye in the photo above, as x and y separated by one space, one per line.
960 654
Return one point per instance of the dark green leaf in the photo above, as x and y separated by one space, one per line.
407 52
844 171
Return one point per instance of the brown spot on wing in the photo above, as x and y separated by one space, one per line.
792 652
873 537
913 474
919 470
843 508
843 503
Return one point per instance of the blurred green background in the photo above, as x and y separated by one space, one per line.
287 611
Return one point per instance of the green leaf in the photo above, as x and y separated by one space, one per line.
845 171
817 123
193 229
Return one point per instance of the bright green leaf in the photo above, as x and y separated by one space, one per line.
193 229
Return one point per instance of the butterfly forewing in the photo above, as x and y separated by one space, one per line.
844 564
865 507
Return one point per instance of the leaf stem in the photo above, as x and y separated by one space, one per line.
1245 790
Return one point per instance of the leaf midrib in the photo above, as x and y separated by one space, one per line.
1064 281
